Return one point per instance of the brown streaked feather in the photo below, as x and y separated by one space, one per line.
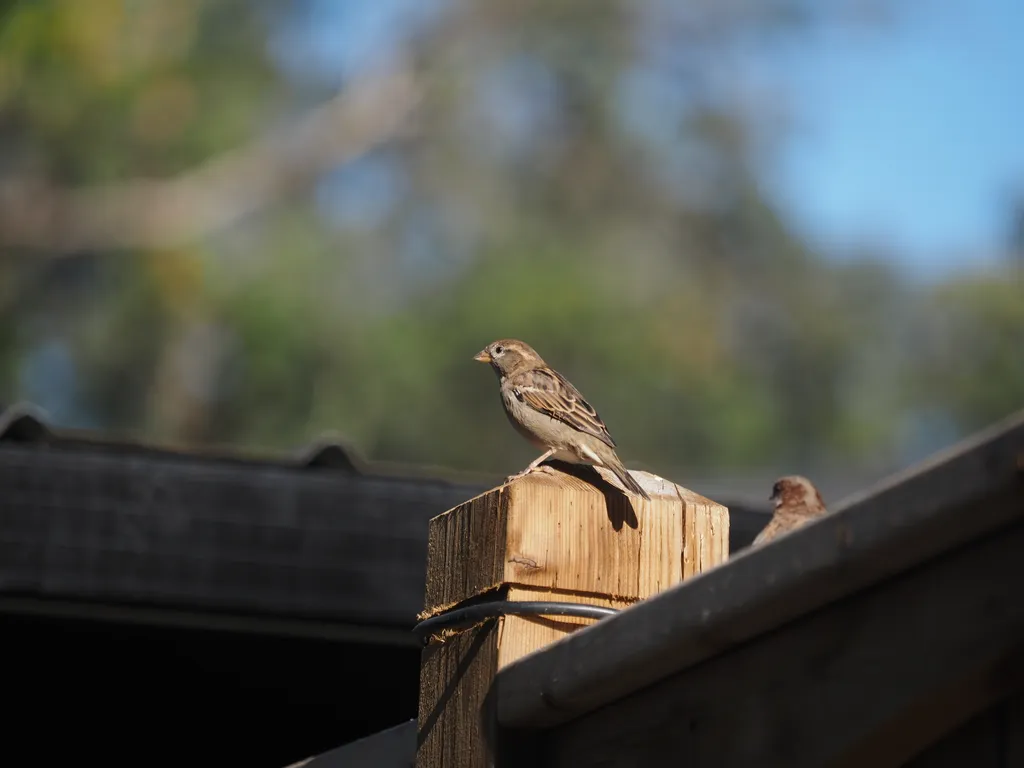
778 525
547 391
625 478
797 502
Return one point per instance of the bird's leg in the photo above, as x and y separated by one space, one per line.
533 465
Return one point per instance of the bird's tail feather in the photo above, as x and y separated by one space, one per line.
627 480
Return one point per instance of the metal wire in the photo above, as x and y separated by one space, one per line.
472 614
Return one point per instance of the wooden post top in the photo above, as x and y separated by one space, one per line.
573 531
550 536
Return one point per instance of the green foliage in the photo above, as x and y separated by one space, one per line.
973 362
637 252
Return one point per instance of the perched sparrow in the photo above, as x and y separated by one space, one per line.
550 412
797 502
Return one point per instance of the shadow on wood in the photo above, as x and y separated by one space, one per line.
547 536
470 660
618 503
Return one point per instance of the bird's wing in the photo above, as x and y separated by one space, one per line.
775 527
781 522
547 391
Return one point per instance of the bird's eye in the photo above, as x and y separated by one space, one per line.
499 349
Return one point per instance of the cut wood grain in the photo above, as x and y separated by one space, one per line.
549 536
555 530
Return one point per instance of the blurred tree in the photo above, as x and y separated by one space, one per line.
1015 241
221 222
973 367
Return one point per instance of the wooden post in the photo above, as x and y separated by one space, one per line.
548 536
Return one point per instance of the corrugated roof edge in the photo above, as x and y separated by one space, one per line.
901 522
25 422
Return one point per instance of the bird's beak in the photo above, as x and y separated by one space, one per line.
482 356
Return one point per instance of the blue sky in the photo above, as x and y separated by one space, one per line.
909 133
912 134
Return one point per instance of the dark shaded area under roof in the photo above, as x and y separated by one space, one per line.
391 748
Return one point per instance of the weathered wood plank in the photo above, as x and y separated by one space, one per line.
553 530
868 680
455 679
957 497
547 536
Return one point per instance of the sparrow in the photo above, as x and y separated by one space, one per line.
550 412
797 502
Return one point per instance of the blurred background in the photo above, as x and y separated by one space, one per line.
760 236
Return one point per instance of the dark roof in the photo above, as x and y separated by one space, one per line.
24 423
317 537
958 497
316 542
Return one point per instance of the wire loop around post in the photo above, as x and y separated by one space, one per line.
467 616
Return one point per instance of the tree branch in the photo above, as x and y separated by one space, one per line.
164 213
